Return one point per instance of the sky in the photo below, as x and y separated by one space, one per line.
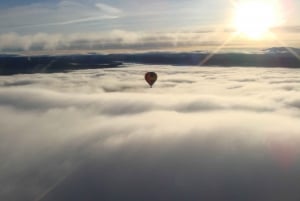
116 24
104 134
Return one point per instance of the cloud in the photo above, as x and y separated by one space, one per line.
104 134
121 40
108 9
289 29
113 40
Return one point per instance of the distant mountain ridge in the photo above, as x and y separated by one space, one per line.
272 57
282 50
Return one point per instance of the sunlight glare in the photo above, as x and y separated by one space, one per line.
255 18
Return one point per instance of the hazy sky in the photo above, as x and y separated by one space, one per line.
92 15
212 20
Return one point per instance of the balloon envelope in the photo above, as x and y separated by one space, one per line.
151 78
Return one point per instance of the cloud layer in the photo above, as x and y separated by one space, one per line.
121 40
200 133
113 40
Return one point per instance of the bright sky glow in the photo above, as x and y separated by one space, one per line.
255 18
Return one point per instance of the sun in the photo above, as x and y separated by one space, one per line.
255 18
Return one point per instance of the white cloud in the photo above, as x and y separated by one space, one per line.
206 39
112 40
107 8
106 134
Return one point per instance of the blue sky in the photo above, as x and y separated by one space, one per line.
59 20
32 16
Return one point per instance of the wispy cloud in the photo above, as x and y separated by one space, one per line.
288 29
133 15
63 13
108 9
116 39
198 39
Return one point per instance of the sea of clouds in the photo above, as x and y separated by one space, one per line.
201 133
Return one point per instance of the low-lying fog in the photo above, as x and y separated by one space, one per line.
214 134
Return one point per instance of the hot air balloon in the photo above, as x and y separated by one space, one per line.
151 78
